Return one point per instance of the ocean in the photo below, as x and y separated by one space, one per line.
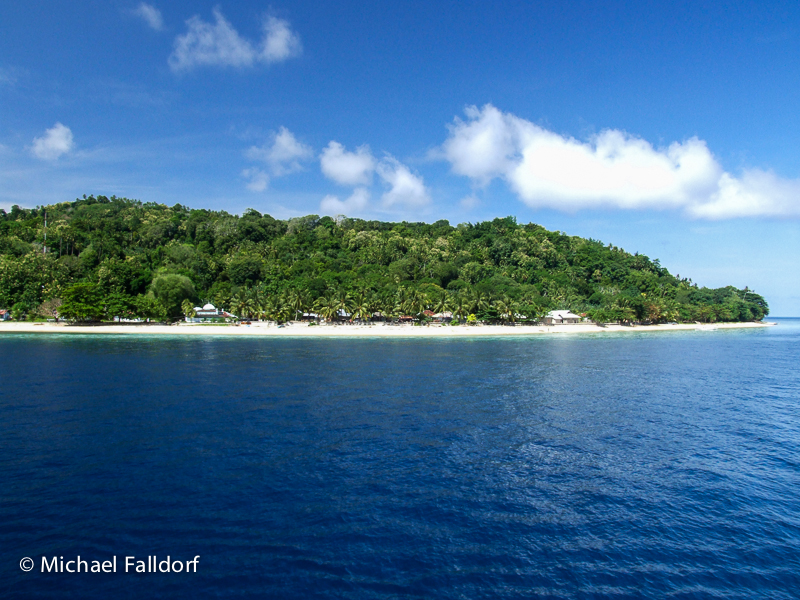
591 466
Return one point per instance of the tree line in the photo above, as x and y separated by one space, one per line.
100 258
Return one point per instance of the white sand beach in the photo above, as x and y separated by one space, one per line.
374 330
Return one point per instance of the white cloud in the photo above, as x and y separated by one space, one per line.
151 15
258 179
611 169
283 155
54 143
219 44
756 193
357 202
483 147
279 42
405 188
347 168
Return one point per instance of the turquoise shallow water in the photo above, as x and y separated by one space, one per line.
597 466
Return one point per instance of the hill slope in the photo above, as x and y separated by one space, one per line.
114 256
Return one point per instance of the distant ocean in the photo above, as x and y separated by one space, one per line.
592 466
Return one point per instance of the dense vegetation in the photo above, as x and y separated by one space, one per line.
105 257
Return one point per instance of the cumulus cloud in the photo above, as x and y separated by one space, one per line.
219 44
151 15
258 180
279 41
756 193
347 168
406 189
611 169
55 142
357 202
283 155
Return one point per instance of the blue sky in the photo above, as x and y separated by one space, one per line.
665 128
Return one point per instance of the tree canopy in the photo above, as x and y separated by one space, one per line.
107 257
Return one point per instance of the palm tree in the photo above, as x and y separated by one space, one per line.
361 306
374 304
540 312
258 298
187 308
414 302
283 310
400 299
459 306
439 303
296 301
326 307
388 306
506 308
243 305
478 302
222 299
265 309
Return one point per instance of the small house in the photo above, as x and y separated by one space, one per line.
561 317
5 314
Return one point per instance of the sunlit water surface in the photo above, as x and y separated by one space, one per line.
591 466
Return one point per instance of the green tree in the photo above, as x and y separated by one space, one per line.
361 306
187 308
82 302
244 305
459 306
171 291
327 308
297 301
147 307
119 305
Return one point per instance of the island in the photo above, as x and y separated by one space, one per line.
115 264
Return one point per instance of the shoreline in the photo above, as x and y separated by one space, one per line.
375 330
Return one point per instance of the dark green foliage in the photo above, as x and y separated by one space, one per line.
171 291
120 257
82 302
147 307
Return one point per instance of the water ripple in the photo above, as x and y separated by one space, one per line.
592 467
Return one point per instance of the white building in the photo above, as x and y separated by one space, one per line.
561 317
209 313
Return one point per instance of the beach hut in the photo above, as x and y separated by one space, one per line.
561 317
5 314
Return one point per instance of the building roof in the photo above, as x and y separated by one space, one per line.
562 314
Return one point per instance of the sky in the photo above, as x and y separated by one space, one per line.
671 129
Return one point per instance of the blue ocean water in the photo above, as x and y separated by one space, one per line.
591 466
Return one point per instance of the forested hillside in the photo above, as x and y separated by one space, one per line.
98 258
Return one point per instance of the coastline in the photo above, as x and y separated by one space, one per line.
375 330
